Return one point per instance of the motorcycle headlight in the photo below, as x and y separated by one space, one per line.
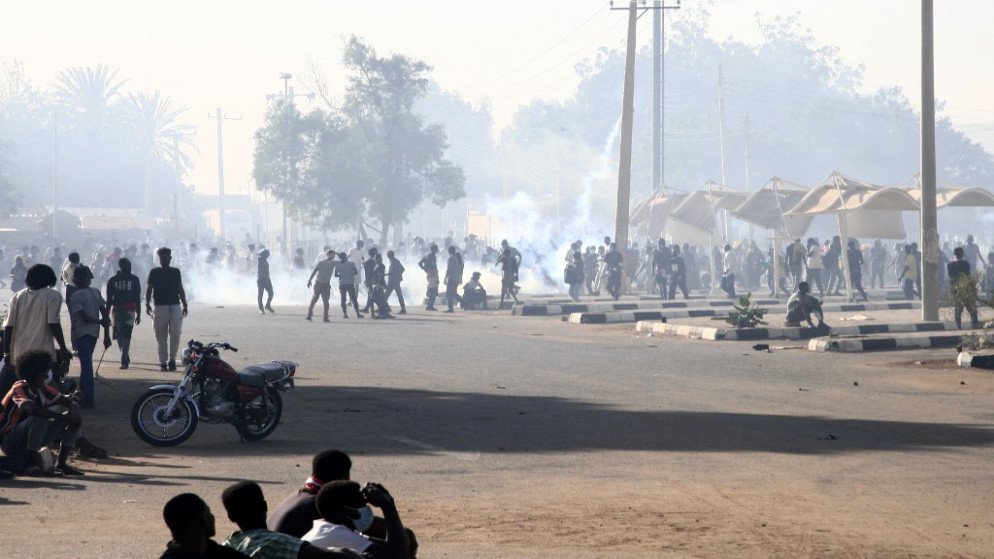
188 356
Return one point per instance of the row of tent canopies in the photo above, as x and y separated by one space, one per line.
869 211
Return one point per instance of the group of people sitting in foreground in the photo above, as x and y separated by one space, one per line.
329 517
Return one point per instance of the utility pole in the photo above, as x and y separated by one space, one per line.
748 137
55 175
929 225
658 92
222 217
627 118
721 123
287 97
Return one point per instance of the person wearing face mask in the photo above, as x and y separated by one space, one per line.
246 507
346 514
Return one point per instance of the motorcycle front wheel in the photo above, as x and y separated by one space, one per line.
260 417
156 427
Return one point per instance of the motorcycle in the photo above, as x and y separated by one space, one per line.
214 392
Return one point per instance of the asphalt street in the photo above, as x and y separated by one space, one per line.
508 436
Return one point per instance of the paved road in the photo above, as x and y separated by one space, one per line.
507 436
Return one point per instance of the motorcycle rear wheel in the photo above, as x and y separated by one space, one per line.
152 425
260 417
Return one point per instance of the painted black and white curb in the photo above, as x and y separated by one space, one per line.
788 333
968 359
554 310
618 317
858 345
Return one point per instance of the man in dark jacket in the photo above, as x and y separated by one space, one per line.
124 298
395 275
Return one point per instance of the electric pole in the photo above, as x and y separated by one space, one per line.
627 121
658 92
929 225
627 118
287 97
55 175
222 218
721 123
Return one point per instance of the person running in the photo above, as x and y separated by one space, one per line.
395 275
854 262
321 276
572 276
509 275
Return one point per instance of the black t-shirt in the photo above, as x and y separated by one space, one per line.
165 284
124 290
957 268
295 515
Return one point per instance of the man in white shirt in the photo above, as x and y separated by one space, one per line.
345 512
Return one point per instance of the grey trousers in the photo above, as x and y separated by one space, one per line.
167 321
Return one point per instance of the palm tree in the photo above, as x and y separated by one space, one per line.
88 94
154 120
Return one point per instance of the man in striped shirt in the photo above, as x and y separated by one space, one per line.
347 274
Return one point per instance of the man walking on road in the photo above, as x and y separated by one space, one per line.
124 298
165 287
395 275
453 278
964 295
322 284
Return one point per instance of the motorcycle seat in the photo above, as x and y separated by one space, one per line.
261 373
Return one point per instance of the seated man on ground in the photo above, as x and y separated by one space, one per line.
346 514
192 526
35 415
246 507
801 306
297 513
473 293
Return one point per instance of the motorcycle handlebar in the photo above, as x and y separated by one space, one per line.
194 344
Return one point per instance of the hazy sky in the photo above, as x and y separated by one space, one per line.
206 54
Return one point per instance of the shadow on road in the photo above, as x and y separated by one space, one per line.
396 421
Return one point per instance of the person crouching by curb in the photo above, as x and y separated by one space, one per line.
801 306
473 293
124 298
35 415
90 313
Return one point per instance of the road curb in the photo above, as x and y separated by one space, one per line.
573 308
805 333
859 345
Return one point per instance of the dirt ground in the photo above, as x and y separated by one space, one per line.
510 436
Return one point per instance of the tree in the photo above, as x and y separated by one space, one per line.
284 151
89 94
162 139
807 116
373 157
9 182
402 158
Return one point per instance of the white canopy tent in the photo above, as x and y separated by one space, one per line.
861 210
